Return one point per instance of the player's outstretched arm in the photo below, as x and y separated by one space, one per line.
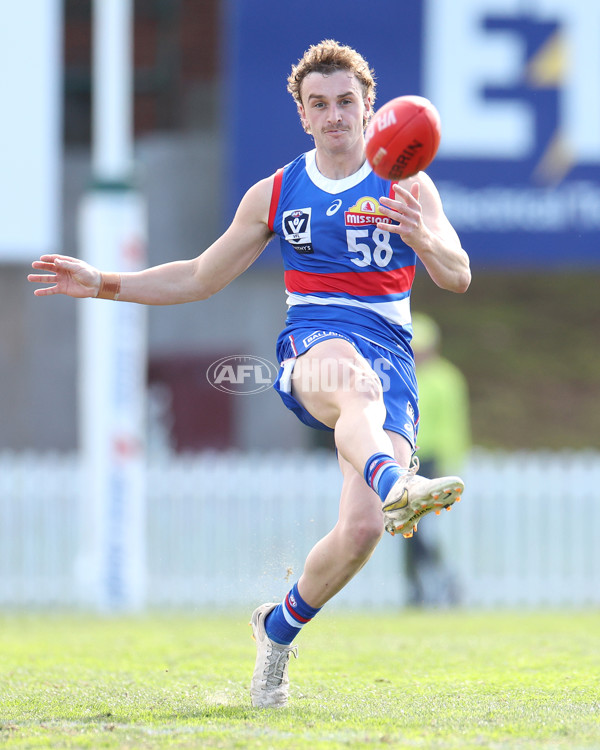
169 283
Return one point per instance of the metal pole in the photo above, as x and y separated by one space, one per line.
112 90
113 357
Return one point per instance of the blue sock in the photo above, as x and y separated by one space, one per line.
285 621
381 473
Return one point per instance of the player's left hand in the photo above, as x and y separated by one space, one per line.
405 210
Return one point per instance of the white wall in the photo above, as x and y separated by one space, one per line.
30 128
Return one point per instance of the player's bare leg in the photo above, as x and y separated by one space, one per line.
356 412
330 565
354 409
338 557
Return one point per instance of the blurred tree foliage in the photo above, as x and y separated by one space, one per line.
529 345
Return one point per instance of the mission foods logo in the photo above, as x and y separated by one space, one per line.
364 212
242 374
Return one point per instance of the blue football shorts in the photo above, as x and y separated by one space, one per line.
395 370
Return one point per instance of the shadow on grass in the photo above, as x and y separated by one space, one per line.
214 713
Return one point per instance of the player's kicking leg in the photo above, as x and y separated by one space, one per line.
331 563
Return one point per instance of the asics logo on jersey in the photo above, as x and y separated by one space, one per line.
334 207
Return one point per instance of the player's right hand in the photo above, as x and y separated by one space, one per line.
67 275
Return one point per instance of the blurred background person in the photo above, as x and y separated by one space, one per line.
443 442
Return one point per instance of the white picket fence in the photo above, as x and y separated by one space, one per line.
233 530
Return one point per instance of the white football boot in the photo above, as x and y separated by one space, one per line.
413 497
270 684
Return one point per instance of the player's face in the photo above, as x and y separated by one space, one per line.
333 109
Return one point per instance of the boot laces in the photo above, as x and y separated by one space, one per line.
276 663
414 467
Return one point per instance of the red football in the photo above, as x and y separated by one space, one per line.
403 137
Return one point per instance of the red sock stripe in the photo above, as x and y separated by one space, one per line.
376 470
293 612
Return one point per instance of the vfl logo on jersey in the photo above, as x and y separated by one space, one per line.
365 211
296 230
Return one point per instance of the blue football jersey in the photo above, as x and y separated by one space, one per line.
333 253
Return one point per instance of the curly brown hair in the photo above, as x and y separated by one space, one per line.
328 57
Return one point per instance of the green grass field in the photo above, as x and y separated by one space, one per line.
408 679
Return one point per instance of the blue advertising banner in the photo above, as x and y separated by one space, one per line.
517 84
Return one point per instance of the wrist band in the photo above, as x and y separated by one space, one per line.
110 286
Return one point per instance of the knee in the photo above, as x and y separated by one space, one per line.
363 535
